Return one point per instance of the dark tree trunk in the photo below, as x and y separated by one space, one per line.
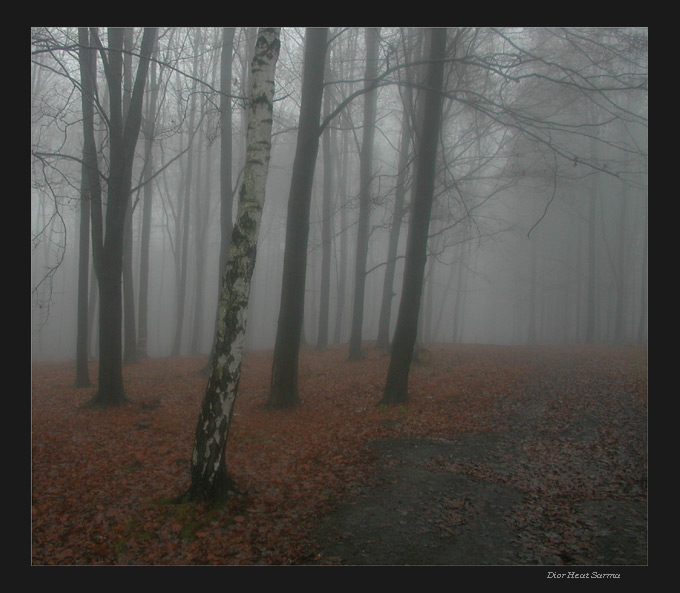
408 116
365 195
109 252
284 387
111 390
395 230
396 384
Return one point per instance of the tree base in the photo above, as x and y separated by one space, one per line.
215 494
392 398
100 401
283 393
355 356
282 403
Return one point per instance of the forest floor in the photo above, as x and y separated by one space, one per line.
524 456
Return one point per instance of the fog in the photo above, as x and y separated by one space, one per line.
539 226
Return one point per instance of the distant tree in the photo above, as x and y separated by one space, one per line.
129 321
209 478
90 187
343 174
642 322
203 207
383 340
396 384
283 390
326 222
344 68
183 232
592 251
226 153
149 131
365 194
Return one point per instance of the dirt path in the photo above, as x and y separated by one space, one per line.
561 482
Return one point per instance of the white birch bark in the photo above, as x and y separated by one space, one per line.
209 480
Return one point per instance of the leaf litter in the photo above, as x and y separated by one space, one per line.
502 455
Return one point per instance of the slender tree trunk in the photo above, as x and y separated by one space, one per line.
186 226
642 324
326 225
149 133
342 266
130 333
92 310
82 372
461 291
365 195
395 229
182 255
590 299
444 300
87 191
428 296
396 384
621 275
283 390
532 336
202 205
344 167
388 294
209 478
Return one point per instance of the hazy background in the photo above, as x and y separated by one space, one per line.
513 234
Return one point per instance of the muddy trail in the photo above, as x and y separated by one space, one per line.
560 481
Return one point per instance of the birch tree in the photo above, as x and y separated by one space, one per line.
209 479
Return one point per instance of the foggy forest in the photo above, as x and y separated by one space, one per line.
214 200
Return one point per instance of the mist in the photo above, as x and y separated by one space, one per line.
539 222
